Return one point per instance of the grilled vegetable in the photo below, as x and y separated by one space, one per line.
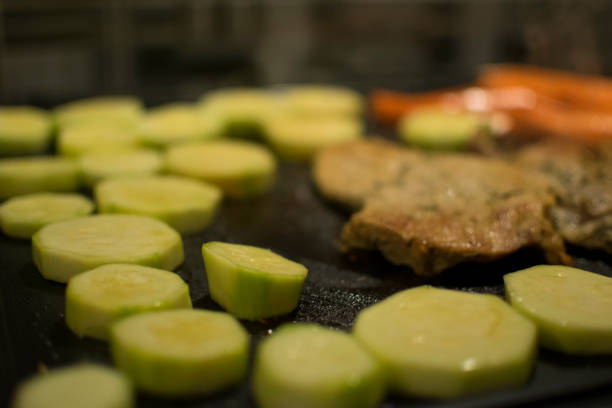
571 307
305 365
323 100
78 386
95 137
177 123
240 169
441 130
300 137
132 163
180 352
252 283
24 130
120 110
186 205
442 343
67 248
20 176
97 298
22 216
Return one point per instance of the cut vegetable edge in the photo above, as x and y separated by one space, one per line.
97 298
181 352
543 294
318 366
422 371
81 385
22 216
248 290
187 205
59 259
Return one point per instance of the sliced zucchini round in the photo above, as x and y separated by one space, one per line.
324 100
77 386
95 137
21 217
571 307
119 110
181 352
441 130
27 175
299 137
187 205
130 163
250 282
242 112
305 365
24 130
64 249
443 343
240 169
97 298
177 123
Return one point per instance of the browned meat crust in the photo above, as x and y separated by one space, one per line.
452 209
583 174
432 212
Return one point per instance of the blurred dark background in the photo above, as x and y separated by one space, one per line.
52 51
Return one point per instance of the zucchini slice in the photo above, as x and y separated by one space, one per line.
186 205
571 307
177 123
181 352
299 137
240 169
21 217
27 175
24 130
441 130
305 365
95 137
97 298
443 343
78 386
95 167
64 249
250 282
242 112
324 100
120 110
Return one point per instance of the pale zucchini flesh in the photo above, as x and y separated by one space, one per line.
299 138
97 298
443 343
181 352
95 167
440 130
177 123
95 137
240 169
572 308
185 204
24 130
22 216
308 366
323 100
125 111
64 249
250 282
27 175
78 386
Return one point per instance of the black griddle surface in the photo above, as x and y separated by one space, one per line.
294 221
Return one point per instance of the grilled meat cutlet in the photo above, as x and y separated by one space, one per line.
583 214
436 211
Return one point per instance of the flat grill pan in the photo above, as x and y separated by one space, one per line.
296 222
